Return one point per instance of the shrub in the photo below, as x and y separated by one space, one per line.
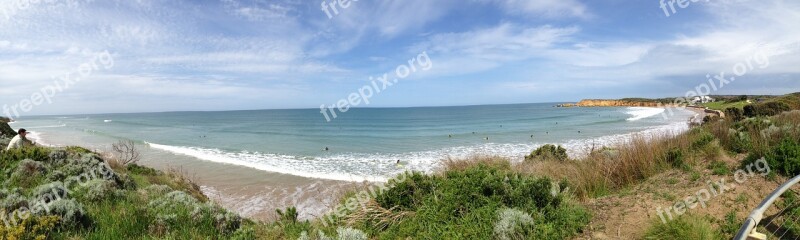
50 192
464 204
289 216
741 142
675 158
9 159
685 227
141 170
70 211
126 152
178 209
12 199
350 234
735 114
704 139
157 189
766 109
783 158
28 173
710 118
719 168
56 175
513 224
750 111
29 228
247 233
58 156
227 222
548 152
97 190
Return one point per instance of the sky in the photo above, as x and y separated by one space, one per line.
111 56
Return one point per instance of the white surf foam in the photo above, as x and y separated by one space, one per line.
379 167
48 126
341 169
639 113
38 138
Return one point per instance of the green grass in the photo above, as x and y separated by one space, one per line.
684 227
719 168
722 105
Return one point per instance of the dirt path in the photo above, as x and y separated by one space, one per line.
628 214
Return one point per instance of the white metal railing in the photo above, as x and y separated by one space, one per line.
749 229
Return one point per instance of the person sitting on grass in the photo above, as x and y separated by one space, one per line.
20 141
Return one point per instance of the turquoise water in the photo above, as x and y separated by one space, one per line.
364 144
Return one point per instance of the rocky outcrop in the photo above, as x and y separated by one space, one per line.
5 130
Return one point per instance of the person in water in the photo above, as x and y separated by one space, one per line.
20 141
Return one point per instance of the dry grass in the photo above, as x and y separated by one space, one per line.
114 163
373 213
451 164
599 174
179 179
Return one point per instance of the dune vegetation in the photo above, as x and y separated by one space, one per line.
73 193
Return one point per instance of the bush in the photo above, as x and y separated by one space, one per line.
464 204
719 168
710 118
685 227
58 156
783 158
513 224
350 234
13 199
97 190
28 173
766 109
141 170
735 114
704 139
50 192
157 189
10 158
178 209
29 228
675 158
70 211
548 152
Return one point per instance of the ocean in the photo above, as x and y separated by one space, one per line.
246 158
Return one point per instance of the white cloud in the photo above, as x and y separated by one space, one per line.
545 8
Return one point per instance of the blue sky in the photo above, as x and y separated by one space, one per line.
172 55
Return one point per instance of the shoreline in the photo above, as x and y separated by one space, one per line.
255 193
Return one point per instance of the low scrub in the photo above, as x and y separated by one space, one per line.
766 109
473 203
548 152
684 227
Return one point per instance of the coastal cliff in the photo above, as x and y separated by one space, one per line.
616 103
620 103
5 129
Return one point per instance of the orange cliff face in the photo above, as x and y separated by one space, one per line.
618 103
